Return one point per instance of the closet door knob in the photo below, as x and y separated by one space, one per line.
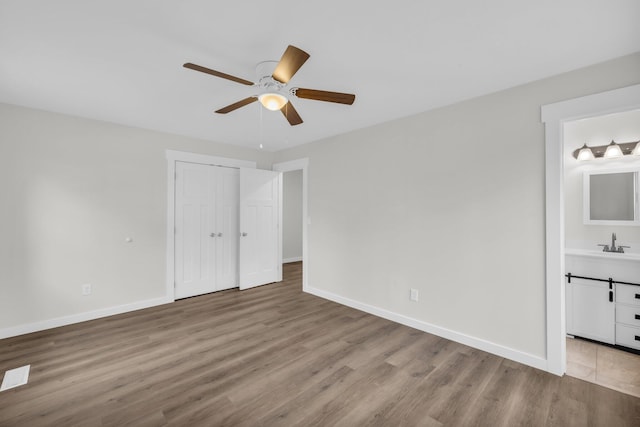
212 235
244 234
219 234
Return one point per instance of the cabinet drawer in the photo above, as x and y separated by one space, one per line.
628 336
628 294
628 315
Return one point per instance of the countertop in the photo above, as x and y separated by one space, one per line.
630 256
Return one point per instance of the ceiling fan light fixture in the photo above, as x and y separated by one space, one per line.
273 101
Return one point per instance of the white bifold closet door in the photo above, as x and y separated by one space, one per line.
260 241
206 229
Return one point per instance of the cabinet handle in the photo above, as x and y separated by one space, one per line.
637 338
637 296
637 316
610 296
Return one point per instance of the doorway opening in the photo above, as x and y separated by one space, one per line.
554 116
300 165
599 318
292 216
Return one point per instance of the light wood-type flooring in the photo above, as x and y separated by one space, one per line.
274 356
607 366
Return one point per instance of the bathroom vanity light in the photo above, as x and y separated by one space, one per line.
585 153
610 151
613 151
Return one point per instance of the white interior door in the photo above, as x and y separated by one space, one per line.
194 228
259 227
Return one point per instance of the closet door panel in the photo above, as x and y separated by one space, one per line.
259 227
194 223
228 184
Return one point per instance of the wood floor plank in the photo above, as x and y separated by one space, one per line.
274 355
345 396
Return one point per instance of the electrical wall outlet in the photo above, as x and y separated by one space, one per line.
413 294
86 289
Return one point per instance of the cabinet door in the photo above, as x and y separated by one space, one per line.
590 313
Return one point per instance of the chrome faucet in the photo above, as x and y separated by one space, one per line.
613 248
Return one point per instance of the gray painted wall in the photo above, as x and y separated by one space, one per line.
72 190
450 202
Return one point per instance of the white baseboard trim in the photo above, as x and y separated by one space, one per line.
294 259
497 349
80 317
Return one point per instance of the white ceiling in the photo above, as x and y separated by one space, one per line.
121 61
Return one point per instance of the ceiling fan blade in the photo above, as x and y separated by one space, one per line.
291 61
291 114
237 105
323 95
217 73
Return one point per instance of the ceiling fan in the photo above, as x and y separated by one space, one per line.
272 84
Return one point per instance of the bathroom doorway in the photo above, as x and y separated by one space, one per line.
595 321
554 116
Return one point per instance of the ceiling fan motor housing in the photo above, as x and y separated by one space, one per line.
266 82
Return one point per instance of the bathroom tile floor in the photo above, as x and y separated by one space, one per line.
606 366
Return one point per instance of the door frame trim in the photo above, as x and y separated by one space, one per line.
172 157
303 165
554 116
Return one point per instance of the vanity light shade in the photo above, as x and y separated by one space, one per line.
636 151
585 154
613 151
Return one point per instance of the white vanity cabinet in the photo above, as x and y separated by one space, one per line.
600 310
590 310
628 316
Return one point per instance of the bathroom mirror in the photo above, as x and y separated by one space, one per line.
611 197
